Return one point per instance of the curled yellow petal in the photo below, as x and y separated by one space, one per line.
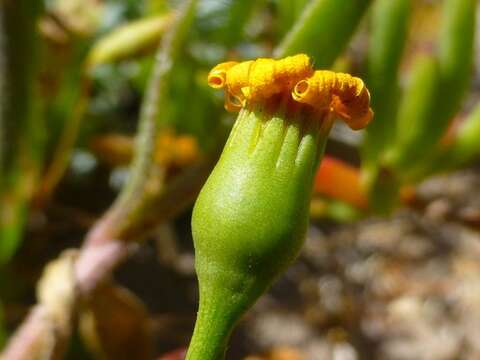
218 75
343 94
238 78
314 91
233 103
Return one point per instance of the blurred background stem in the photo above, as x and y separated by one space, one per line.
128 205
21 125
3 334
62 154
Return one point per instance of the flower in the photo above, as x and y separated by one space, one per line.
326 91
250 218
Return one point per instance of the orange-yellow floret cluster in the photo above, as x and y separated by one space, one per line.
324 91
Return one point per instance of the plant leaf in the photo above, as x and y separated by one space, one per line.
129 40
415 120
389 29
323 30
455 59
21 126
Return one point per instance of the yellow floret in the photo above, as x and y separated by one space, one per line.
343 94
218 75
257 80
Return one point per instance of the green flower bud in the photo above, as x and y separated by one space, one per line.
250 218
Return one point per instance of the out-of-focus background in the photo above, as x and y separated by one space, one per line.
398 284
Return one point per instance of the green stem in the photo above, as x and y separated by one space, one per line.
63 152
130 204
3 334
215 322
17 69
21 126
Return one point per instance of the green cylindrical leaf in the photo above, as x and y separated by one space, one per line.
415 120
387 41
323 30
17 68
455 59
288 13
129 40
21 128
462 150
466 146
224 21
455 62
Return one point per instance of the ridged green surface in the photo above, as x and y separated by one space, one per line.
250 219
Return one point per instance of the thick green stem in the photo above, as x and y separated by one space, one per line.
215 321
